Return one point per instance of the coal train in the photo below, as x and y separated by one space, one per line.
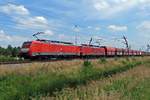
47 49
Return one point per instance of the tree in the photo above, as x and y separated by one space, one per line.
9 51
15 51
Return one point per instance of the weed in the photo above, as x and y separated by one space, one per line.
124 62
116 58
87 64
102 60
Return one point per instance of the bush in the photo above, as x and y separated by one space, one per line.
9 51
102 60
8 58
87 64
127 59
124 62
133 58
116 58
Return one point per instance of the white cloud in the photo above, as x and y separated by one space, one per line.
144 26
111 8
97 28
14 9
89 27
24 20
4 36
144 29
37 22
116 28
49 32
23 17
6 39
101 5
61 36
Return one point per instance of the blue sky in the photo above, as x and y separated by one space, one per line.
105 21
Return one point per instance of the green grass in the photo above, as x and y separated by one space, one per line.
87 64
130 85
140 91
102 60
17 86
8 58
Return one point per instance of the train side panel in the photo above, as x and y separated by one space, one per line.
92 51
119 52
51 49
110 51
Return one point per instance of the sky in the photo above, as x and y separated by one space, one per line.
105 21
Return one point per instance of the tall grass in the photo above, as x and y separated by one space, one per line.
17 86
130 88
130 85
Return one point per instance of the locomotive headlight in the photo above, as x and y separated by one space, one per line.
24 50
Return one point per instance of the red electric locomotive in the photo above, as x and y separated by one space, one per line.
47 49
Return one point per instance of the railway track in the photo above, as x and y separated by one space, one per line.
14 62
50 60
32 61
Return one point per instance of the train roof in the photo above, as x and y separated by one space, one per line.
90 45
98 46
52 41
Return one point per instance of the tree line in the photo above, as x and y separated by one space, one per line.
9 51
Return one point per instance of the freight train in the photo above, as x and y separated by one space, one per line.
46 49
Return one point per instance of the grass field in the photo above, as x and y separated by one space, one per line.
8 58
95 79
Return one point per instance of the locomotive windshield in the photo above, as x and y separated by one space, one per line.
26 44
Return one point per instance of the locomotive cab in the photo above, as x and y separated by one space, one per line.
24 51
